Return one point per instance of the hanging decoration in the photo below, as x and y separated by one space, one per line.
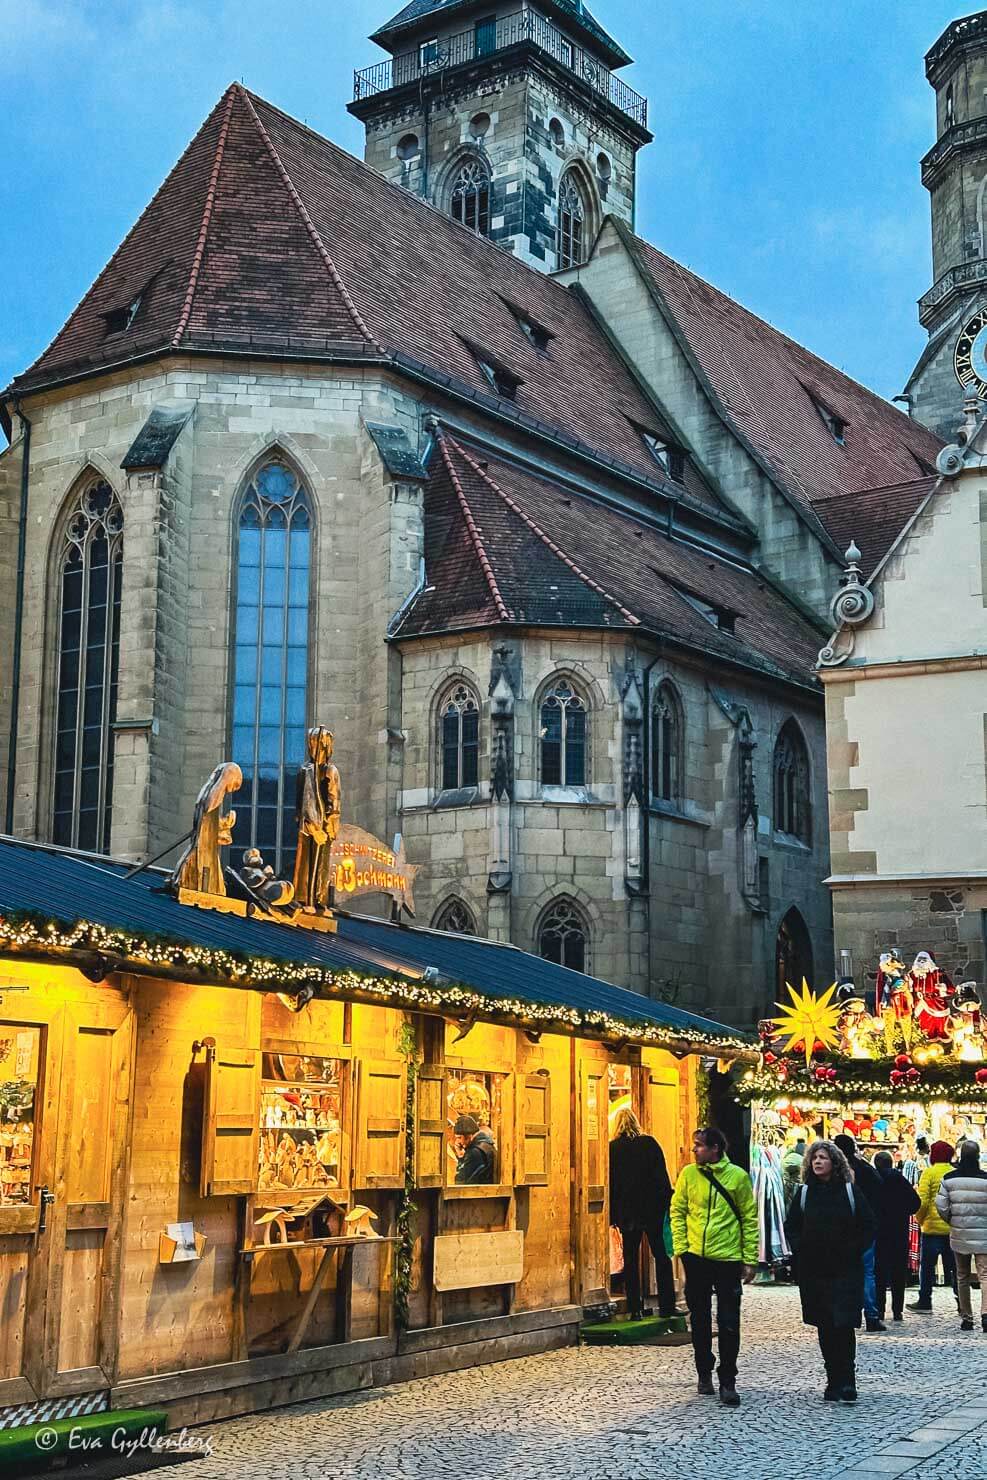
809 1020
924 1040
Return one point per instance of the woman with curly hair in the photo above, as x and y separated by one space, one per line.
829 1226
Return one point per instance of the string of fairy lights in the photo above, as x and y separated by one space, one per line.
142 954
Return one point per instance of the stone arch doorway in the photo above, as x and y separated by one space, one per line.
793 954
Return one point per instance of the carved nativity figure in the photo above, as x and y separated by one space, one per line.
319 801
200 867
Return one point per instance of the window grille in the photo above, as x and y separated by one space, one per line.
471 197
459 739
563 737
562 936
571 221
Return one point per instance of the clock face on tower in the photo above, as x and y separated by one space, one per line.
970 355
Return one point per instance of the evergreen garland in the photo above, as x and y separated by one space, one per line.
407 1207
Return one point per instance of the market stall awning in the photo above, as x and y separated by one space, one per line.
57 903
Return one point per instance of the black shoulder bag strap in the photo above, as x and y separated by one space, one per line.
705 1172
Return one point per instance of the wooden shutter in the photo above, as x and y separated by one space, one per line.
230 1123
663 1115
535 1126
380 1141
430 1151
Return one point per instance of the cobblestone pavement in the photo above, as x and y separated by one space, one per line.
613 1413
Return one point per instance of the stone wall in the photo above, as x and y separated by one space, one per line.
11 463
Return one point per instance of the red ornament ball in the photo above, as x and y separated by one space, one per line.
771 1058
912 1076
981 1076
896 1077
903 1061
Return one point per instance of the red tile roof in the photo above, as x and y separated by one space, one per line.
267 236
500 538
874 518
769 390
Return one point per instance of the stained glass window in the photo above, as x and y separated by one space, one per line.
88 668
563 737
459 717
791 784
571 218
456 917
562 936
471 197
666 742
270 677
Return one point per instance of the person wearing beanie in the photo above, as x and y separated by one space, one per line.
962 1203
475 1149
868 1184
935 1229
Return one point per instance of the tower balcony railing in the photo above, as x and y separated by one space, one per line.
973 131
970 28
486 39
959 279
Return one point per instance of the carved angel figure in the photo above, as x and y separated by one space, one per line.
319 800
200 867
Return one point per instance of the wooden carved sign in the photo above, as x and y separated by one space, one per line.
362 864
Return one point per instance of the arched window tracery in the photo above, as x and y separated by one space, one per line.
563 935
459 738
572 222
271 657
563 736
470 197
792 809
456 917
90 578
666 744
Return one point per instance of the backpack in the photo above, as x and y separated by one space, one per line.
849 1192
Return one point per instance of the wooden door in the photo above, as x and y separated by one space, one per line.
60 1246
661 1115
592 1171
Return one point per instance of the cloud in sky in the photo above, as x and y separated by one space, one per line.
785 167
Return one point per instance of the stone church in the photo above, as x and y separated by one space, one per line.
434 449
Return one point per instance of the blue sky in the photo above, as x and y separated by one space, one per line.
784 167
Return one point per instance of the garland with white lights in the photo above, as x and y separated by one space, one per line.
128 952
957 1085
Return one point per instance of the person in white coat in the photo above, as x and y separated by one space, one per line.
962 1203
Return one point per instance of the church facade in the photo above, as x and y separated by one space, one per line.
540 524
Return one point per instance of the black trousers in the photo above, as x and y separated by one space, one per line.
838 1345
705 1278
890 1273
631 1240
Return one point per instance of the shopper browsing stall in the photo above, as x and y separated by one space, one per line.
896 1201
868 1185
935 1230
640 1192
829 1225
962 1203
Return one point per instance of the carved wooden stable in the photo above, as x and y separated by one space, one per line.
151 1097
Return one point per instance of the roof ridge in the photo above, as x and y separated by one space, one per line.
107 265
200 245
405 195
546 539
309 224
474 533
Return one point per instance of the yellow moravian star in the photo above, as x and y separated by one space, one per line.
808 1020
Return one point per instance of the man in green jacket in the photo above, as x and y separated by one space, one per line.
714 1232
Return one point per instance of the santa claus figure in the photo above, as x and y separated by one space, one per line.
932 990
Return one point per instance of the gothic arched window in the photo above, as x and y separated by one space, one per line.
455 917
459 738
572 215
563 936
666 744
792 814
471 196
270 677
563 736
90 571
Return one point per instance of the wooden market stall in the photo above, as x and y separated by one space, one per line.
229 1167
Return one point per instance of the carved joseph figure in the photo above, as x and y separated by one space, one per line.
319 801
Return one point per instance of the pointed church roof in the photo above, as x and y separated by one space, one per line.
574 12
268 239
776 395
504 545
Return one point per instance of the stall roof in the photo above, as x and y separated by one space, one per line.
94 906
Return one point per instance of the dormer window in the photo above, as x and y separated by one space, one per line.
670 459
503 381
723 618
536 333
836 424
120 319
429 55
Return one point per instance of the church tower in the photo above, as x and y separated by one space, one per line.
954 310
509 117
